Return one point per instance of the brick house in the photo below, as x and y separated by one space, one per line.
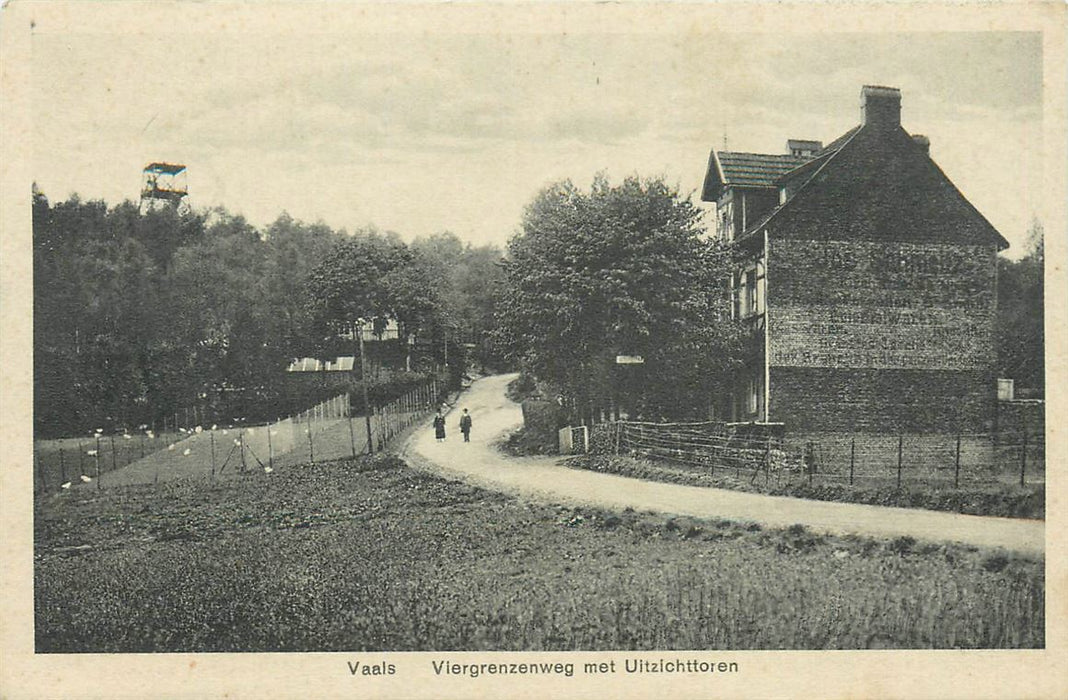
869 282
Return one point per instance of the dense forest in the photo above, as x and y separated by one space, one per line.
140 315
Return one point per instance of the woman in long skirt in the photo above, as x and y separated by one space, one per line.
439 426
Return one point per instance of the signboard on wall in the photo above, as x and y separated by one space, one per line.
881 305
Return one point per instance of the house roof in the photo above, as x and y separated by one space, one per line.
880 182
746 170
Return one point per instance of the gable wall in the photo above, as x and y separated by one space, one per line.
881 337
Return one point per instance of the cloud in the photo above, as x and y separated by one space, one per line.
425 131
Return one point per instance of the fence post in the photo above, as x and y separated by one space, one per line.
37 469
767 459
956 465
81 458
270 449
352 438
852 457
96 459
244 466
114 466
62 466
811 461
368 415
1023 453
212 454
900 443
311 443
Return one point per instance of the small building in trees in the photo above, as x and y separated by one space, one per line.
869 283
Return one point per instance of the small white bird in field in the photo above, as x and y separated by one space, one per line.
268 470
127 436
225 431
214 426
86 479
91 453
198 429
187 452
236 441
65 486
183 430
170 446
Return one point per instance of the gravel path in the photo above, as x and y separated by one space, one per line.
542 478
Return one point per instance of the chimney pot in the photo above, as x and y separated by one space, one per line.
881 106
923 142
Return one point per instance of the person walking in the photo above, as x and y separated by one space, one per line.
439 426
465 425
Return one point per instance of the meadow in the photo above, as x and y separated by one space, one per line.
369 554
991 498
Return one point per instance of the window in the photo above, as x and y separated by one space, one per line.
736 311
751 293
751 396
724 227
761 294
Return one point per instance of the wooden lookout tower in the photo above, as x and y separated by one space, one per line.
163 185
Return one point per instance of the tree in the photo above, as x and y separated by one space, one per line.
293 249
219 289
1020 324
369 277
469 278
619 271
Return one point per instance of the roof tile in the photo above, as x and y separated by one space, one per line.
756 169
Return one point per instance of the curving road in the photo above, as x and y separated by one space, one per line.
542 478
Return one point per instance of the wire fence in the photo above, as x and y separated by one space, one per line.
765 452
325 432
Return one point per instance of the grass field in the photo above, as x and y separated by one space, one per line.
993 499
61 460
368 554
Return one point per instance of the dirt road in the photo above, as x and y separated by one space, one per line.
544 479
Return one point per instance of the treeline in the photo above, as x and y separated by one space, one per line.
141 315
1020 322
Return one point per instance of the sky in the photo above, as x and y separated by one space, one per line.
422 132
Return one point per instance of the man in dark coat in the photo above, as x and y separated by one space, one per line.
465 425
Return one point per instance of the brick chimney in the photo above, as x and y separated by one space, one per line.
923 142
880 106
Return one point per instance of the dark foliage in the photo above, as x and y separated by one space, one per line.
139 316
1020 324
619 271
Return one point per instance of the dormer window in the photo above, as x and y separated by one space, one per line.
803 149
